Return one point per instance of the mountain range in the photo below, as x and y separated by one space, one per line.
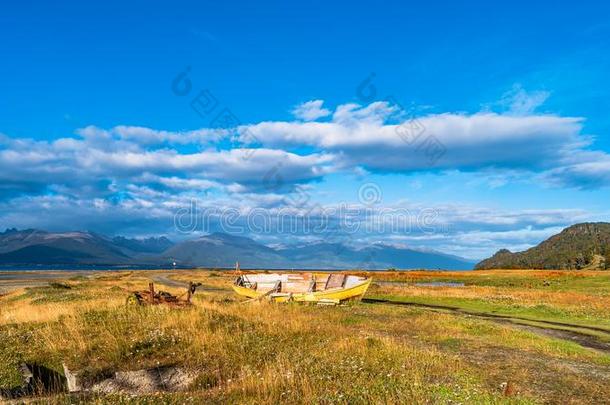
580 246
40 248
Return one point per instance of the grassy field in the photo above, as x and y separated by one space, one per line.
355 354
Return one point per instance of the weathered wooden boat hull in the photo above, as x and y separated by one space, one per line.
332 295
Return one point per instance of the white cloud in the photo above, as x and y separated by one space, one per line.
310 110
366 137
178 183
373 114
518 101
123 178
466 230
592 171
148 136
101 158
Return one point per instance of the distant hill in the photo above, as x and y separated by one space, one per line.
41 255
35 247
32 246
581 246
148 245
222 250
377 256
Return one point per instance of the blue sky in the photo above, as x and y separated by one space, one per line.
514 97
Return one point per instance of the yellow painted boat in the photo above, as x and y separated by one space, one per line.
329 288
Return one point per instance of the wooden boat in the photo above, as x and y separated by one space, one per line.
322 288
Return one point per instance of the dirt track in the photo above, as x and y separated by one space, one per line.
165 280
14 280
559 330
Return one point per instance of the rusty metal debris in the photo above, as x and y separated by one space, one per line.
152 297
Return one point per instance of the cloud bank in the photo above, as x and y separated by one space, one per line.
127 178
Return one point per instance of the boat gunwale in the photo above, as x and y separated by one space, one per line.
314 294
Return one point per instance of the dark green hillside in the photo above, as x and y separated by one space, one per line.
580 246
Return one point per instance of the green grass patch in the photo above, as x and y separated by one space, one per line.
564 281
498 306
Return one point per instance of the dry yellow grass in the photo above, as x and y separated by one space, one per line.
265 353
578 303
